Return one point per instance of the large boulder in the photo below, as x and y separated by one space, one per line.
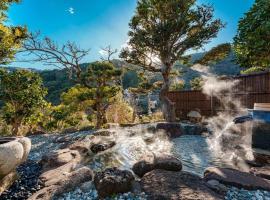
7 181
151 162
168 185
168 162
144 165
113 181
13 152
262 157
172 129
63 183
55 175
217 187
263 172
59 158
236 178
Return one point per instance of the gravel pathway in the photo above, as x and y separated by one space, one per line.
44 144
28 183
78 194
241 194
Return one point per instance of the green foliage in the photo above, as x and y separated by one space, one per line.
196 83
177 85
161 32
130 79
251 43
23 94
101 78
92 97
57 82
253 70
216 54
167 29
11 37
119 111
4 4
78 98
74 104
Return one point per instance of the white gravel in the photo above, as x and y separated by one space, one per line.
44 144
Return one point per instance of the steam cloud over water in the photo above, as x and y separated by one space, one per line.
231 141
132 144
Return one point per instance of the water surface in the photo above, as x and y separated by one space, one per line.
195 154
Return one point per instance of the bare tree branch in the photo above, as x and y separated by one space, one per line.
68 56
108 52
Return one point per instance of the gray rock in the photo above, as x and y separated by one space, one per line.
96 148
113 181
152 162
87 186
172 129
169 185
217 187
64 184
263 172
236 178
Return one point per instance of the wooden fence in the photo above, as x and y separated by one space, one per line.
249 89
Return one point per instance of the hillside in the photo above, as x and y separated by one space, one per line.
226 67
57 80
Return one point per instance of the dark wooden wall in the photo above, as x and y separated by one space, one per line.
250 89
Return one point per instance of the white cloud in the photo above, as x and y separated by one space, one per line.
103 53
71 10
126 45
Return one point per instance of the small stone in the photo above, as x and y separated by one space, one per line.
87 186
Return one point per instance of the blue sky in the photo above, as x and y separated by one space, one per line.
98 23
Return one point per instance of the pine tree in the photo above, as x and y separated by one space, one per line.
162 31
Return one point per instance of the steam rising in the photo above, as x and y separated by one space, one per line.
233 142
132 144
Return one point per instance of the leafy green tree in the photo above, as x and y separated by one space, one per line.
97 91
23 94
252 70
11 37
251 42
196 83
162 32
216 54
101 79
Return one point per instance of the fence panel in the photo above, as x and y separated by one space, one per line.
250 89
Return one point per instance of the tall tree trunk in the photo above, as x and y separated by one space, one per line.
101 116
15 128
134 115
168 108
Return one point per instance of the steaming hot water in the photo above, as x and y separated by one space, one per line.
131 145
223 148
135 142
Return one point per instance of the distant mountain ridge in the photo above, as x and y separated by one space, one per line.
57 80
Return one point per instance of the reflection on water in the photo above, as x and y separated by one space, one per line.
195 154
